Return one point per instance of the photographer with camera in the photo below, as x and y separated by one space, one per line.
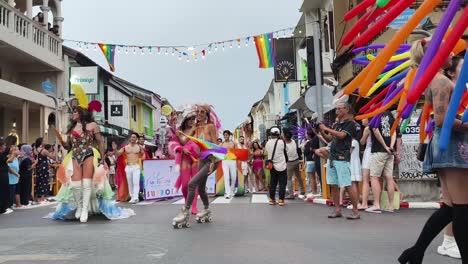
338 165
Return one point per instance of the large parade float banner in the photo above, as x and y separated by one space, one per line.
160 177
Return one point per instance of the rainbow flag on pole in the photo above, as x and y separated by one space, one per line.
265 50
109 52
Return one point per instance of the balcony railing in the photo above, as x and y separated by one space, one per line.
25 28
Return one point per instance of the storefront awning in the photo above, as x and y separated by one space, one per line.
108 131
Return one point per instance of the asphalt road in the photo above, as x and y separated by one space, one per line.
242 232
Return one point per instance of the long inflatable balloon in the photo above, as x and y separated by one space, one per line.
408 82
364 22
403 47
432 49
395 125
394 97
386 77
398 57
374 100
397 77
383 22
438 61
374 107
457 95
422 126
358 9
379 63
382 3
460 46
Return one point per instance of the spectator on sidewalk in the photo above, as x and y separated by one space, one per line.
366 140
25 171
310 160
382 161
13 174
293 165
276 150
338 165
4 179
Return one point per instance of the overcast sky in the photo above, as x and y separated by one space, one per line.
229 80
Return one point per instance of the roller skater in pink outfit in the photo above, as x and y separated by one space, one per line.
186 153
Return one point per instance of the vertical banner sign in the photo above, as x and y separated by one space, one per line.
285 66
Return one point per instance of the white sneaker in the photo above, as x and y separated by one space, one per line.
133 201
8 211
301 196
309 195
449 249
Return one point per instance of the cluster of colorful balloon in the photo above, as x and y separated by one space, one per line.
391 67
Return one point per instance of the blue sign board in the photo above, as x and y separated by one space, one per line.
403 18
48 87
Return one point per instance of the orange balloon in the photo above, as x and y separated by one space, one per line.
459 47
385 55
381 109
422 124
354 84
408 81
395 125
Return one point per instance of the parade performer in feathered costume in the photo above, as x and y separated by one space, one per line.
186 153
206 128
85 188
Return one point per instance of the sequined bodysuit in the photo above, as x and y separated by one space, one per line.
82 145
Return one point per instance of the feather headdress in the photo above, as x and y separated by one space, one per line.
93 106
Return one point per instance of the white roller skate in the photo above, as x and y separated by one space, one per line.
181 220
204 216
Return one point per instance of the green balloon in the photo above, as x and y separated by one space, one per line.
382 3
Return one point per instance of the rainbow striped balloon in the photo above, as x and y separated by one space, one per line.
109 52
265 50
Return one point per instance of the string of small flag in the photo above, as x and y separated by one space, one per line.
264 44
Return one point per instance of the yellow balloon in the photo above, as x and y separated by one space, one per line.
400 67
166 110
404 55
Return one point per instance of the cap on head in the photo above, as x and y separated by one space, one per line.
275 131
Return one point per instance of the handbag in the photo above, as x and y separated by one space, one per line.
421 151
269 163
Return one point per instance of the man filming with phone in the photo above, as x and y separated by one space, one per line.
338 165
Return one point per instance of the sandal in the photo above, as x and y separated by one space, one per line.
353 217
373 210
335 215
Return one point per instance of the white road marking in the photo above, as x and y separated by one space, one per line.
260 198
36 257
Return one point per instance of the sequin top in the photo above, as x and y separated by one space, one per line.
82 145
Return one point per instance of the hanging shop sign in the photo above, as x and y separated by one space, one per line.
285 66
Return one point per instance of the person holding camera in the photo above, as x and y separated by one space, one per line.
381 161
276 163
338 165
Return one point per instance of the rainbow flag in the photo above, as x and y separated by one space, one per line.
265 50
109 52
208 148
